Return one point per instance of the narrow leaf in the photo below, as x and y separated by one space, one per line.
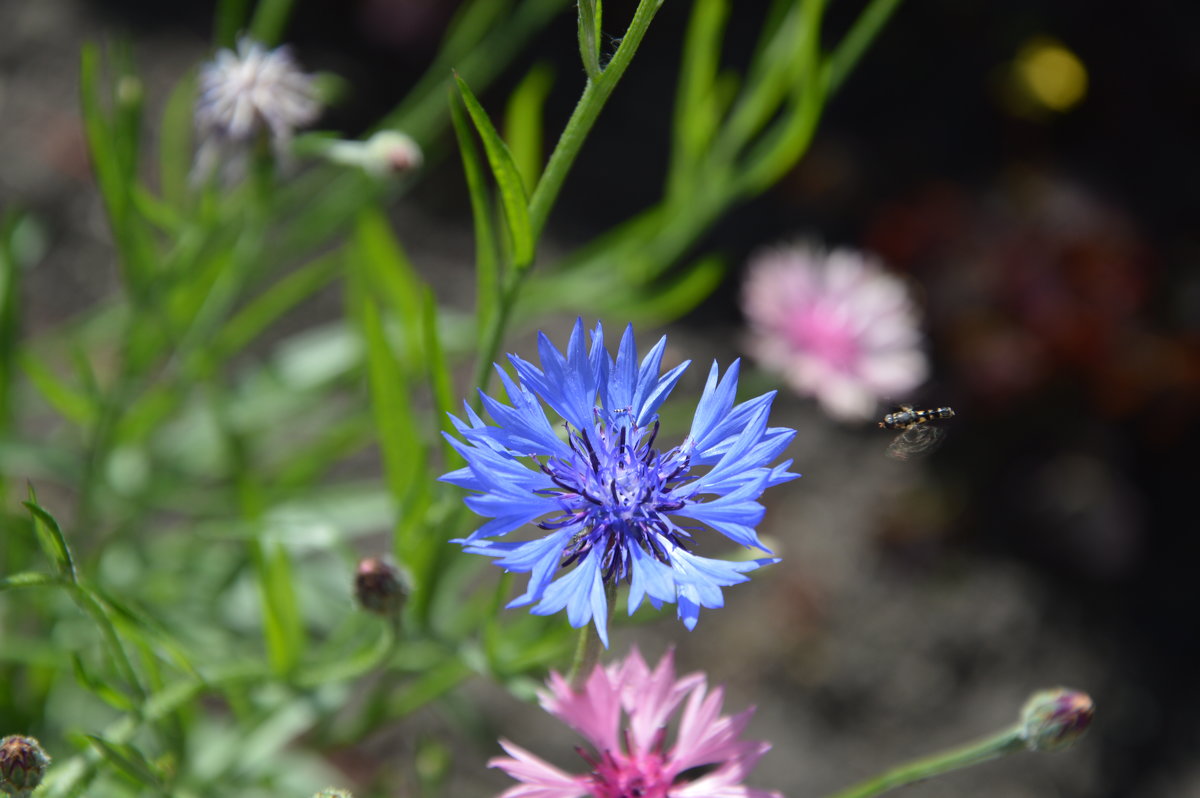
27 579
71 404
281 615
487 259
439 376
696 102
523 122
390 277
100 688
391 404
129 761
51 537
513 198
175 141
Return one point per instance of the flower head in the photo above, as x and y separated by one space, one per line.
378 586
23 765
614 506
836 325
250 93
1054 719
631 756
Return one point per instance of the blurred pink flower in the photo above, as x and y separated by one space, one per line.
836 325
632 758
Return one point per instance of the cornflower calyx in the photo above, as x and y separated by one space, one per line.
615 506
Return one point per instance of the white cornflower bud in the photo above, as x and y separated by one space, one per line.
388 153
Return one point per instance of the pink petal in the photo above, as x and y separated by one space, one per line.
540 778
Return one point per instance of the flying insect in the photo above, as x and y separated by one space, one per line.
918 434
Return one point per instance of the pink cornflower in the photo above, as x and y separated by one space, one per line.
836 325
632 758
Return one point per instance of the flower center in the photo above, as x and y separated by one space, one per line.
616 488
621 776
826 335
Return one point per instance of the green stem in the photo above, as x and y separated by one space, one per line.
270 18
591 102
1006 742
595 94
856 41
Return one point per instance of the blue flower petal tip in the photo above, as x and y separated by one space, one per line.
616 504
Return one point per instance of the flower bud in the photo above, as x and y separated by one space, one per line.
332 792
1053 719
23 764
378 587
388 153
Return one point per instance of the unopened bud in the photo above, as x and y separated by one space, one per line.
23 764
1053 719
388 153
331 792
378 587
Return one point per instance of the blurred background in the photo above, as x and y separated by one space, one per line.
1030 167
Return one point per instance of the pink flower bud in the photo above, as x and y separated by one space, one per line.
378 587
1053 719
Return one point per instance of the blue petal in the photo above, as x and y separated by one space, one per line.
700 580
649 577
539 558
713 407
581 592
622 380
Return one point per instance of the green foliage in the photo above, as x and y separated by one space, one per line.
212 444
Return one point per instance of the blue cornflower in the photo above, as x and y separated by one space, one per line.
614 506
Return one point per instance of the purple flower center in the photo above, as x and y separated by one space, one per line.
616 488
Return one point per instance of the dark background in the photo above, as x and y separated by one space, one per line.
1054 536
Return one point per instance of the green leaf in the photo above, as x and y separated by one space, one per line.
391 403
113 161
269 21
27 579
230 20
130 761
390 277
666 303
697 105
258 314
100 688
513 198
51 537
282 624
439 377
73 405
94 607
523 122
175 141
487 259
10 276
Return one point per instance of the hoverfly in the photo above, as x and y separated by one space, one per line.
917 435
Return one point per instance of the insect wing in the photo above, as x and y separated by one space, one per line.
916 441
